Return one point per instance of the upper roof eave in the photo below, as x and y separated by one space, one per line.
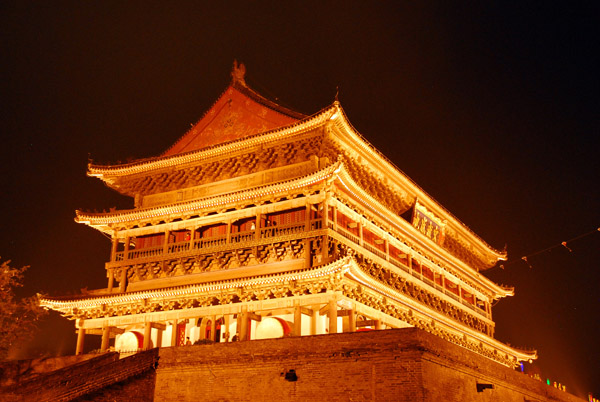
102 221
108 173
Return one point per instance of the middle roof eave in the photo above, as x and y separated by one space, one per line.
104 221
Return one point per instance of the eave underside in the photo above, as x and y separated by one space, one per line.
342 279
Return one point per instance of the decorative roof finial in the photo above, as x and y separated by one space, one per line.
238 72
337 93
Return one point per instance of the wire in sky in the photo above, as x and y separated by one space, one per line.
564 244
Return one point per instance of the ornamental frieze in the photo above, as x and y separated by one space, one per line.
215 261
269 157
222 297
422 296
451 243
380 303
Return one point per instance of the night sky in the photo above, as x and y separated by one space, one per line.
491 108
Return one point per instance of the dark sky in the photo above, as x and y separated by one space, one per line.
491 108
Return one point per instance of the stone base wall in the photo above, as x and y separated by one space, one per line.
392 365
81 379
138 388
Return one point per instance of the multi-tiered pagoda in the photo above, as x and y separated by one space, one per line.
263 222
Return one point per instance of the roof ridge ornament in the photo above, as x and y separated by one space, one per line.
238 72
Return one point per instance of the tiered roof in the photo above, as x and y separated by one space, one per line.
212 140
247 151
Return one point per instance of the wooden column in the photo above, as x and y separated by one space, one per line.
213 328
325 249
113 250
332 313
307 222
159 336
297 319
352 320
229 231
378 324
111 279
123 282
174 333
147 335
192 236
126 248
243 324
166 243
257 234
334 218
105 338
360 233
80 339
226 334
387 249
313 320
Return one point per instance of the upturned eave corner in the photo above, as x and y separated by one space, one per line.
345 129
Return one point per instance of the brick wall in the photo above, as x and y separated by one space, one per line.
82 378
392 365
139 388
12 371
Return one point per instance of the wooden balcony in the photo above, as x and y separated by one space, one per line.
275 233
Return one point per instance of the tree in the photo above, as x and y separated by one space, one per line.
18 317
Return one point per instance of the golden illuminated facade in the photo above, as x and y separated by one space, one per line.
262 222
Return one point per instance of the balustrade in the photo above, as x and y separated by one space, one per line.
283 230
316 224
374 250
399 264
216 241
144 253
179 247
348 235
408 270
243 237
210 242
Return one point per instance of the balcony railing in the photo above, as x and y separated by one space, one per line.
209 242
374 250
283 230
249 236
273 232
179 247
403 266
145 253
348 235
243 237
316 224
